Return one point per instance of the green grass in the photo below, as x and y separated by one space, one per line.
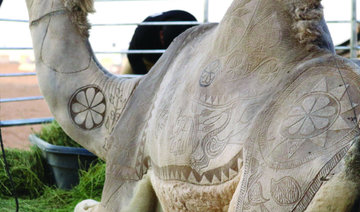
54 134
28 172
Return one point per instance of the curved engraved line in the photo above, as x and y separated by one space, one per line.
81 111
275 147
87 98
233 161
212 120
215 107
248 73
102 102
245 176
275 107
87 116
208 75
301 119
276 183
320 109
247 27
71 102
43 39
52 13
70 72
312 107
42 46
313 123
102 114
295 163
86 107
337 104
335 115
319 116
214 133
316 183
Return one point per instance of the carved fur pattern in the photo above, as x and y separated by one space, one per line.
78 13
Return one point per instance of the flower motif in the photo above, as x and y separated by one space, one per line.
314 114
209 73
87 107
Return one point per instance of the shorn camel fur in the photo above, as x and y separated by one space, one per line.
255 113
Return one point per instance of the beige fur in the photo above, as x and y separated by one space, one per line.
78 12
144 198
88 205
181 196
306 18
341 192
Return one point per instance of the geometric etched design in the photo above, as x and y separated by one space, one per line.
285 191
255 195
320 140
87 107
339 91
321 86
294 145
311 116
339 124
218 175
312 122
209 73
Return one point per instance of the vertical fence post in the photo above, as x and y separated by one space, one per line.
206 11
354 40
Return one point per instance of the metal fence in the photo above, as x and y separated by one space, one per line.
21 122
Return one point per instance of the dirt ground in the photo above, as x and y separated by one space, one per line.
11 87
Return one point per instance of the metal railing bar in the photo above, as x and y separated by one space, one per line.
206 11
340 22
23 122
153 23
162 22
19 99
125 0
34 74
140 51
14 20
354 35
30 98
18 74
346 48
16 48
129 75
155 51
342 47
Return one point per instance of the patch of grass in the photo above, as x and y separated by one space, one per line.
50 198
54 134
27 170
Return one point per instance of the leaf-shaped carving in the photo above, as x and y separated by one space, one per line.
285 191
212 120
241 12
205 112
255 195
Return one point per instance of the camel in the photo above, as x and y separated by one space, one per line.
255 113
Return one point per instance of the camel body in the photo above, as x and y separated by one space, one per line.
255 113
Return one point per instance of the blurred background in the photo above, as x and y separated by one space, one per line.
113 26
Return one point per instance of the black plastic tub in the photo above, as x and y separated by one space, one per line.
64 162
